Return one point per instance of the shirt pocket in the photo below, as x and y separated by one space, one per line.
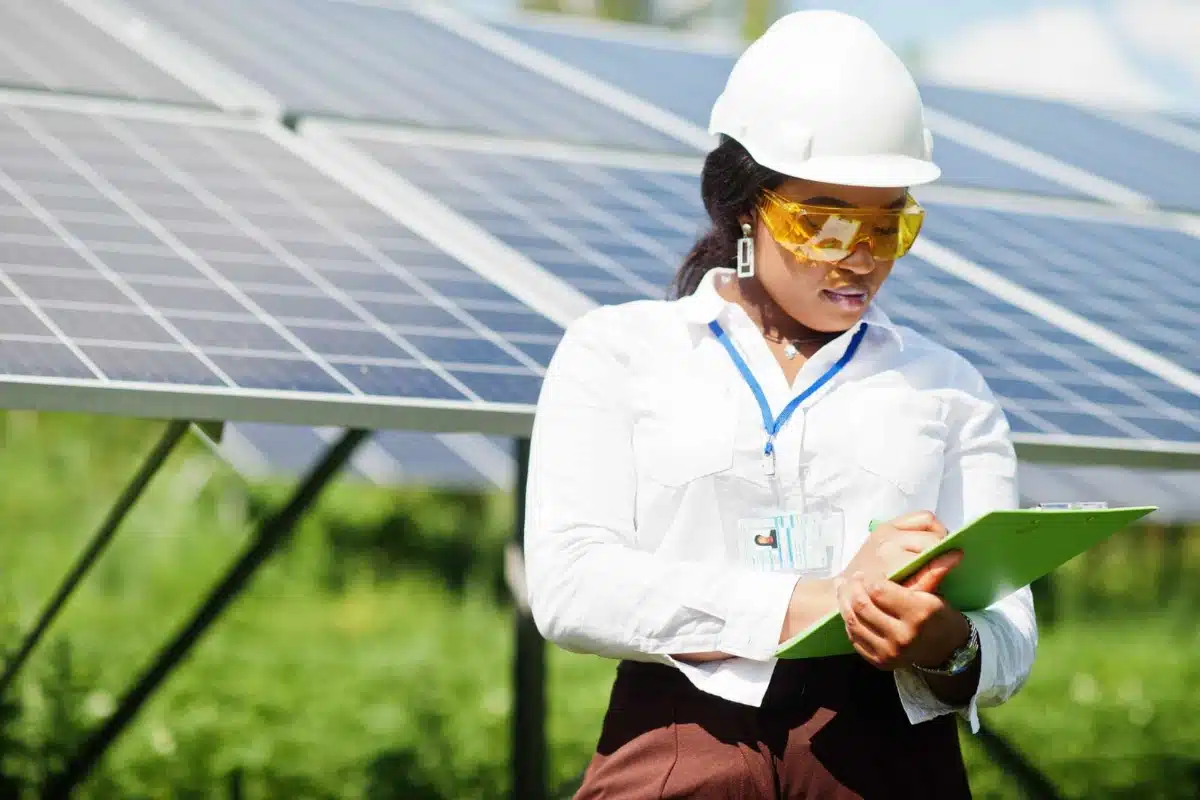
684 431
901 440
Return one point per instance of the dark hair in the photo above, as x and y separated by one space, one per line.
729 185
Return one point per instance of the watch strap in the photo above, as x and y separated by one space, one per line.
960 659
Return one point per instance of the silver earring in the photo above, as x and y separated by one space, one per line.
745 253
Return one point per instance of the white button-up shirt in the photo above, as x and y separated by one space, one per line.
643 417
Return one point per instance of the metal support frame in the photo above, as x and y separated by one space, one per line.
270 535
1034 784
529 672
171 437
528 741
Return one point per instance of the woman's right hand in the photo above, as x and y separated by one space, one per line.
894 543
889 547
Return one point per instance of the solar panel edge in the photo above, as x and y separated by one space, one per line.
313 409
1071 450
128 108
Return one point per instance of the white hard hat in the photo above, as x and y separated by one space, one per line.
820 96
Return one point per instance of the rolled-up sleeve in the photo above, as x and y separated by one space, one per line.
591 589
980 476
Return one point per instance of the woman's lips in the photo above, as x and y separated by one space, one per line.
847 299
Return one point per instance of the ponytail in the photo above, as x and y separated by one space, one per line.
729 185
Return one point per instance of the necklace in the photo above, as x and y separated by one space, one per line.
790 351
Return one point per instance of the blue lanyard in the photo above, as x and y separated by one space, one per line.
774 424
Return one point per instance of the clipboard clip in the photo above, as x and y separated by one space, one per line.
1094 505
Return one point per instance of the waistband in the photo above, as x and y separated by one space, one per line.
833 682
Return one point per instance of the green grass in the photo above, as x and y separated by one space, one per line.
372 658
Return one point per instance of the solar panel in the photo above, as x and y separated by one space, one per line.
1138 282
618 233
411 458
46 45
685 78
202 269
373 62
682 77
1159 169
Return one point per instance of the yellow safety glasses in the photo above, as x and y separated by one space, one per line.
831 233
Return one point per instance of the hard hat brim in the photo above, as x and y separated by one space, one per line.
876 171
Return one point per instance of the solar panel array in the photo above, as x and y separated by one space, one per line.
370 62
211 258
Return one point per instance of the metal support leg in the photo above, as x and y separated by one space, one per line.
1033 782
96 547
272 532
529 674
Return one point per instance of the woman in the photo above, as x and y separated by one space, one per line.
705 471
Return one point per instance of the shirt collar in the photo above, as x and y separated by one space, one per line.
705 304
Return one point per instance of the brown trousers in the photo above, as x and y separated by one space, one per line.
828 728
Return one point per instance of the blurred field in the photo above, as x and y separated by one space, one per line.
371 660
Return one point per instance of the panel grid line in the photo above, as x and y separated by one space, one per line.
485 191
351 359
59 337
72 241
363 246
56 146
212 201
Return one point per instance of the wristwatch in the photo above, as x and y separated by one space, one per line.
960 659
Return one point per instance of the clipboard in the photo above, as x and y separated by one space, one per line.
1003 551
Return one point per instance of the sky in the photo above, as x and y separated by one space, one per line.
1129 53
1124 53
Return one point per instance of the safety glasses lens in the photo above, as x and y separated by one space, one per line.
832 234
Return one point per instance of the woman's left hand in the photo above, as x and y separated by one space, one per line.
893 625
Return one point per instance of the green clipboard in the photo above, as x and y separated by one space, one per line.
1002 552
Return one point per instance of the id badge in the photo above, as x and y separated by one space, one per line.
807 543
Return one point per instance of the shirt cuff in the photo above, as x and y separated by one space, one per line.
921 704
754 620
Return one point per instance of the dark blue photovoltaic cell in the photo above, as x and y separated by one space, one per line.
374 62
20 357
395 381
1140 283
499 388
150 366
214 257
278 374
46 45
1163 171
